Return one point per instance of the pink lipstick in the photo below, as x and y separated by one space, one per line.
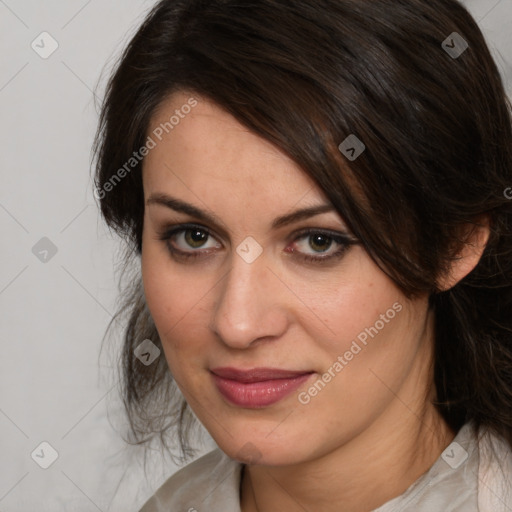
257 387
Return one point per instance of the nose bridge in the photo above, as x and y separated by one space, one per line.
247 305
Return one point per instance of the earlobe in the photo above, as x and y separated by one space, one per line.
473 243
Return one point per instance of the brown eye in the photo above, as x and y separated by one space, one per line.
320 242
315 243
196 238
189 241
317 246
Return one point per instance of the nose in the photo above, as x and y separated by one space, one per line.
250 305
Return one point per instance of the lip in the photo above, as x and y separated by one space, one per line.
257 387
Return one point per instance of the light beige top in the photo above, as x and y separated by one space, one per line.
469 476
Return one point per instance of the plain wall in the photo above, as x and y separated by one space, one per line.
54 388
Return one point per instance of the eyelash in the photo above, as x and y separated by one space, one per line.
342 239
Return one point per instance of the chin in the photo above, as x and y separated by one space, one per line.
260 448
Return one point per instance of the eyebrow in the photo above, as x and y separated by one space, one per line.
189 209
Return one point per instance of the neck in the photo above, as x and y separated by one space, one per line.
362 477
377 465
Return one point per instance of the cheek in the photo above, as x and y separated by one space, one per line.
177 302
359 308
378 335
373 335
373 338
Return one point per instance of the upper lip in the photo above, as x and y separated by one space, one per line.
256 374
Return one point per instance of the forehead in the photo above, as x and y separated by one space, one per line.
204 149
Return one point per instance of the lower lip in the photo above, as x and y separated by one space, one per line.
258 394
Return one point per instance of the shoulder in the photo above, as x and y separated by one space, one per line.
211 483
494 473
473 474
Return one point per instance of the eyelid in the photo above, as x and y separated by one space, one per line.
342 238
167 233
345 236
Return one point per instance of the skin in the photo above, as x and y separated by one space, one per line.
371 431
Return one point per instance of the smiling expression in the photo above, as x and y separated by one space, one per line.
249 273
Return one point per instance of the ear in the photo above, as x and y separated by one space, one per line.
472 245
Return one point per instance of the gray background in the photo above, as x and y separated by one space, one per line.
54 386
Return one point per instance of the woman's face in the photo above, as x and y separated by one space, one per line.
286 342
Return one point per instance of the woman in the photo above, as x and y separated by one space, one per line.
316 193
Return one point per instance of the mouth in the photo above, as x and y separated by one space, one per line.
257 387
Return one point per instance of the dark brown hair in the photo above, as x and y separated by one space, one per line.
305 75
